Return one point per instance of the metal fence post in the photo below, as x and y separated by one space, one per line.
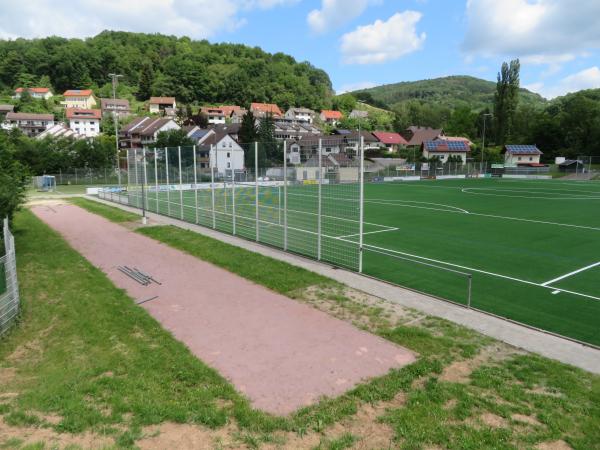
319 200
233 220
213 153
180 184
470 287
168 183
137 182
361 204
195 184
285 226
256 189
156 180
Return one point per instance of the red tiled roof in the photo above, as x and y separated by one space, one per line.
454 139
37 90
266 108
78 93
328 114
162 100
389 138
228 109
77 113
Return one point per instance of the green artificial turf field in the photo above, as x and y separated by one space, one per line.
532 247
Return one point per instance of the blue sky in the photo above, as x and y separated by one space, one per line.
359 43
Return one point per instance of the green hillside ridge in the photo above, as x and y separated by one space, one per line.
452 92
157 65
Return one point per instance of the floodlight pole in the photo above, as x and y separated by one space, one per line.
483 138
361 205
115 80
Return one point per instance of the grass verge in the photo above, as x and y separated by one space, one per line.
85 358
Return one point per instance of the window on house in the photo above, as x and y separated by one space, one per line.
228 155
229 165
530 158
519 158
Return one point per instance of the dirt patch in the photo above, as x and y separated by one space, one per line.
28 351
7 374
554 445
541 390
460 371
493 420
450 404
525 419
52 439
186 436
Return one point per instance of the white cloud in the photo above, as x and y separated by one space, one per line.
355 87
585 79
335 13
195 18
383 41
539 31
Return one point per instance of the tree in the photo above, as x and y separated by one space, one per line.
13 179
248 132
506 100
172 138
146 81
462 123
268 150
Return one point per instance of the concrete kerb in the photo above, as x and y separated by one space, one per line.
528 339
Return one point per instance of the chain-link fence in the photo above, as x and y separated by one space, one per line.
89 176
9 287
300 196
588 165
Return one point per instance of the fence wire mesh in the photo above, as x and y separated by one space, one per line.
9 286
300 196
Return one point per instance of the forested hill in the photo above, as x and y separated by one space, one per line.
159 65
452 92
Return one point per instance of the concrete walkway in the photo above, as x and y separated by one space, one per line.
520 336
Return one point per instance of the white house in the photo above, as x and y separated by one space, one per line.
445 149
162 105
226 155
84 121
300 115
35 92
143 131
215 115
515 155
358 114
79 98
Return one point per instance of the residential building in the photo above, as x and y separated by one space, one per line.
331 117
237 115
232 129
304 115
218 147
59 130
5 109
214 114
79 98
285 130
35 92
392 141
521 155
300 150
445 149
416 135
29 123
143 131
260 110
357 114
166 106
119 106
84 121
454 138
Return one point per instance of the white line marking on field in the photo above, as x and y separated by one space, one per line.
575 272
473 191
368 232
555 292
475 270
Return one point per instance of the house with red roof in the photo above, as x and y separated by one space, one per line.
391 141
260 110
35 92
79 98
166 106
331 117
85 122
